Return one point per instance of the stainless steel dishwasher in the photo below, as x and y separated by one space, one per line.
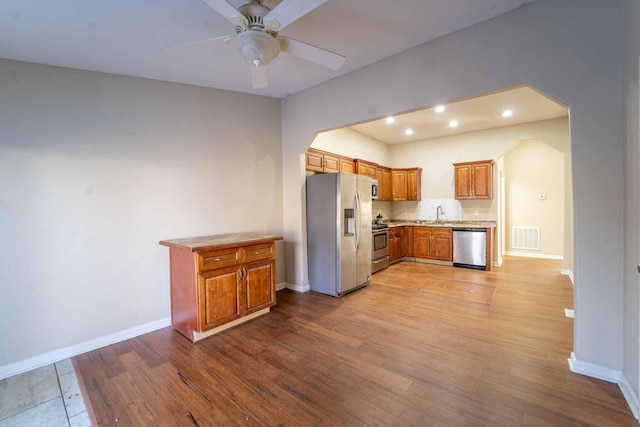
470 248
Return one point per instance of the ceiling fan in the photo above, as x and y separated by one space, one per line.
257 38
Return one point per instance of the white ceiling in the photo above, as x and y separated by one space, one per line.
473 114
126 37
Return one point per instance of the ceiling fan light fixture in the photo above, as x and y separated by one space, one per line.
257 48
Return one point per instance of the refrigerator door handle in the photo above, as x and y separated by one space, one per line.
357 221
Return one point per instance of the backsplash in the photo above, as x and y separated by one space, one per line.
425 210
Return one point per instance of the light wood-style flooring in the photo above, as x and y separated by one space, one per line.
422 345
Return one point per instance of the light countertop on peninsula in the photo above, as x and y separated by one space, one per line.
220 241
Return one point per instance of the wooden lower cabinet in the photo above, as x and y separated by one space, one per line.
217 282
406 241
394 243
400 242
433 243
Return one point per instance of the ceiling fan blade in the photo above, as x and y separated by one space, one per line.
260 77
290 10
311 53
225 9
194 47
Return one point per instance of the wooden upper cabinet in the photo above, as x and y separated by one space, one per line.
414 184
384 183
474 180
393 184
399 184
314 160
331 163
322 161
347 165
407 184
366 168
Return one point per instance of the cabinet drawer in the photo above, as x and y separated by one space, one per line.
219 258
441 231
258 252
421 231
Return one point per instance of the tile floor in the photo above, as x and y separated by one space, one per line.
48 396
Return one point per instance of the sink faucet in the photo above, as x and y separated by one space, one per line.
439 212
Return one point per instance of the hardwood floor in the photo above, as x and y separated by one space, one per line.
416 347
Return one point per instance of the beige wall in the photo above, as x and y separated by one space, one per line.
95 169
349 143
533 170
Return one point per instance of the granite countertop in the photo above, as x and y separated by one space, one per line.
220 241
449 224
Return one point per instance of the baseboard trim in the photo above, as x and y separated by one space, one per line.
534 255
281 286
50 357
630 396
298 288
593 370
606 374
568 273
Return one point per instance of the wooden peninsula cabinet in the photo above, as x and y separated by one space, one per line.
220 281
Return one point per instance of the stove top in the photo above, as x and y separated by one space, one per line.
379 226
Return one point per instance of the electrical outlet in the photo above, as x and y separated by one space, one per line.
476 212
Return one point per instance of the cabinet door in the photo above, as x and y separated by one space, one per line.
482 177
399 183
331 163
379 173
314 161
393 248
421 242
218 300
405 241
346 165
259 289
414 178
463 174
385 184
441 244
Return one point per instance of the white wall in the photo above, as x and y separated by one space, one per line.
567 48
632 196
534 169
95 169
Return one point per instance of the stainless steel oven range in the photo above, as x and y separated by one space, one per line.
379 247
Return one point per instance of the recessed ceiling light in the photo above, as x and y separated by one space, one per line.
408 132
507 113
453 124
390 120
440 108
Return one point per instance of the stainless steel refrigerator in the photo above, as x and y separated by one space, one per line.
338 232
